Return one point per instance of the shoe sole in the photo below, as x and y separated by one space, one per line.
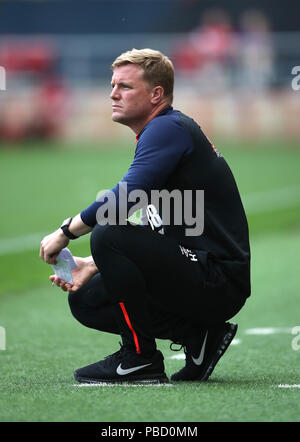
224 344
159 379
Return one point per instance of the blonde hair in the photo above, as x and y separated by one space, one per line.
158 68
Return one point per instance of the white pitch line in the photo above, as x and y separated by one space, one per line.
253 202
259 331
21 243
182 355
267 330
271 199
178 356
104 384
24 243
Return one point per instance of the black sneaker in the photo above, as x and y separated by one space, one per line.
124 366
203 352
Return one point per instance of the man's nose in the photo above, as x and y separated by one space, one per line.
114 94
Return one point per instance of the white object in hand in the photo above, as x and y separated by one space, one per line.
65 263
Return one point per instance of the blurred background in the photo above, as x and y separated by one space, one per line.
238 75
237 67
233 63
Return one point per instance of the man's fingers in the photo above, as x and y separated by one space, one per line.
68 286
52 259
49 259
73 288
51 245
55 279
41 251
65 286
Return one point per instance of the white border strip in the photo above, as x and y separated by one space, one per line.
289 386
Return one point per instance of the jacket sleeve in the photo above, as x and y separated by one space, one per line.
160 148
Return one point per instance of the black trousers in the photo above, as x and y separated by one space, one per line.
149 286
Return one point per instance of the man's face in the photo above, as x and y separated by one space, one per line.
131 96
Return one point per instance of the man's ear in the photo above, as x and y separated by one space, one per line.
157 94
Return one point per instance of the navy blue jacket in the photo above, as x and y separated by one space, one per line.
173 153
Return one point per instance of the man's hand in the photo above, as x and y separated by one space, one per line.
52 244
85 269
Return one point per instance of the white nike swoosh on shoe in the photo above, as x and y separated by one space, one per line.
124 371
199 360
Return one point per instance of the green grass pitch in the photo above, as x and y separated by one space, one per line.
258 377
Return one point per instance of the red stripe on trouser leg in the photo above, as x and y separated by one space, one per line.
137 346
